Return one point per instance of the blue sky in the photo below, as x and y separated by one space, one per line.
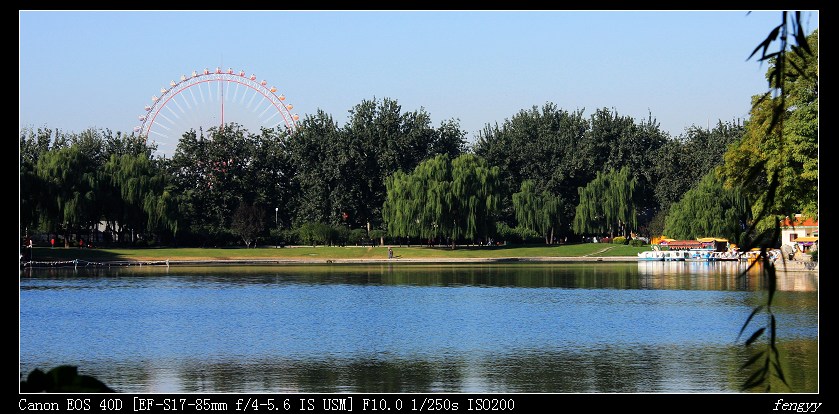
83 69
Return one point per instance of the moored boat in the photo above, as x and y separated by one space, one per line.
651 256
699 255
676 255
728 256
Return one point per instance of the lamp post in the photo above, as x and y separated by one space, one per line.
277 225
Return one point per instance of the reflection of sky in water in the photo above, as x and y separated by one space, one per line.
170 324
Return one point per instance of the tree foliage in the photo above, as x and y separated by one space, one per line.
683 162
607 204
776 165
776 162
537 211
342 170
248 222
561 151
68 177
455 199
214 173
709 210
547 145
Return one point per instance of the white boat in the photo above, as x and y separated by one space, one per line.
699 255
676 255
651 256
724 257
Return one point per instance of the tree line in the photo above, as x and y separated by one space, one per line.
544 174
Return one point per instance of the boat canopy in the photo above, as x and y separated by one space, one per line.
712 239
806 241
682 244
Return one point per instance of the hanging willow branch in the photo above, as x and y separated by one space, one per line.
765 363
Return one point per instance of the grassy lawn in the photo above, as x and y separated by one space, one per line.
323 252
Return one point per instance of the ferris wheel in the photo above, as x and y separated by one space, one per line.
209 99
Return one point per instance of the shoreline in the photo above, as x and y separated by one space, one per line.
429 260
787 266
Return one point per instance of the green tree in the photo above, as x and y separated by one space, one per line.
442 198
419 204
248 222
69 184
212 175
474 184
684 161
270 175
537 211
618 141
709 210
343 170
607 204
314 176
314 233
138 193
768 164
776 163
562 151
547 145
33 145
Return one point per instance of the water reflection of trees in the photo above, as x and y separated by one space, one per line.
643 275
607 369
718 276
366 375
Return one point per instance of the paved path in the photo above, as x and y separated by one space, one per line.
605 249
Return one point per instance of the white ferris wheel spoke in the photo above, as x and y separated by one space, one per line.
200 110
252 98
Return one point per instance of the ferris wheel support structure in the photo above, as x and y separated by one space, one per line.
157 122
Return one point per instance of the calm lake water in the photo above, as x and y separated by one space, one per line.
513 328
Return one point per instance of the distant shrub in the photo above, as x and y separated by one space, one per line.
315 233
289 236
504 231
376 236
637 243
619 240
357 236
339 236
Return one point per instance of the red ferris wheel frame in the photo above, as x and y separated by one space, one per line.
225 78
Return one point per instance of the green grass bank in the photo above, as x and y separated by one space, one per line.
572 252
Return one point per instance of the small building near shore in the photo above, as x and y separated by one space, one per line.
801 232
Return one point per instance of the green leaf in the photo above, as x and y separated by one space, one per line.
755 336
753 359
797 69
745 324
755 379
766 42
769 56
780 372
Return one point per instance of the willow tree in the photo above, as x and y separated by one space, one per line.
33 145
776 165
69 183
709 210
537 211
474 185
442 198
418 204
777 161
146 201
607 204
